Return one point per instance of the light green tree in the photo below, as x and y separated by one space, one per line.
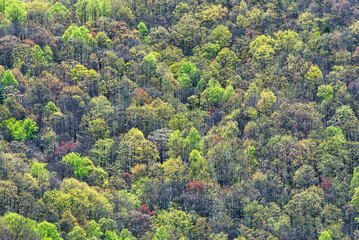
48 231
325 236
16 11
8 79
81 165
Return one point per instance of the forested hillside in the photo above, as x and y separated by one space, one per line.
169 119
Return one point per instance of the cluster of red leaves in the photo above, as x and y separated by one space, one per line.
196 187
141 97
65 147
127 177
146 210
326 183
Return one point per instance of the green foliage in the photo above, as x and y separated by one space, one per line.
39 171
81 33
176 221
222 36
161 234
325 236
193 140
77 234
81 165
51 108
48 231
16 11
57 9
326 92
267 101
37 54
8 79
98 128
188 74
21 130
102 151
143 29
94 230
21 227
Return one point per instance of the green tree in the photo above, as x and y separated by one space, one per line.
51 108
2 6
174 170
102 40
267 102
48 231
161 234
102 151
199 169
98 128
176 144
8 79
39 171
326 92
16 11
94 230
143 29
222 36
105 8
21 227
81 33
57 9
81 165
77 234
325 236
193 140
21 130
37 54
188 74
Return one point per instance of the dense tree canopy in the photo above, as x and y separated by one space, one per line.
164 120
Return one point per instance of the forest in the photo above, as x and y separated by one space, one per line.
179 120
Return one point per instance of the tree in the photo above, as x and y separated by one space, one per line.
81 165
98 128
174 170
325 236
310 204
188 74
176 144
222 36
21 227
48 231
37 54
143 29
199 169
103 151
94 230
16 11
51 108
102 40
193 140
161 234
105 8
267 102
57 9
326 92
262 50
81 33
21 130
77 234
187 33
8 79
